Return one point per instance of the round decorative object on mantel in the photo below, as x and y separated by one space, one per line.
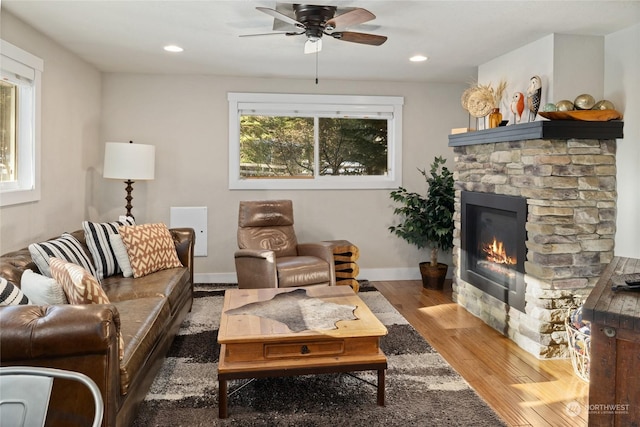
480 103
604 105
584 102
564 105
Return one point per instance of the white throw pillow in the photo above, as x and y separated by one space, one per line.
42 290
120 252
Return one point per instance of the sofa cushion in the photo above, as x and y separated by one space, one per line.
150 248
170 284
121 255
143 323
65 247
10 294
42 290
97 239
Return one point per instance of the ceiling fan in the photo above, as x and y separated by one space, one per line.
316 21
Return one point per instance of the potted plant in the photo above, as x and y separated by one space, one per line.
428 221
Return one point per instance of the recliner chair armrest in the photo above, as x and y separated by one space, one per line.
322 250
256 268
266 254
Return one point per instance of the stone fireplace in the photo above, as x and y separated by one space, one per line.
554 235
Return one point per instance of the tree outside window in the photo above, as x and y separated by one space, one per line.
8 102
285 146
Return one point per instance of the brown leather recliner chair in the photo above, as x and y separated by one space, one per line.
270 255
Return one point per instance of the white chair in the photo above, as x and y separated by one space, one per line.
25 392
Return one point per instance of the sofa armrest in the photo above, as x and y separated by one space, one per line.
322 250
256 268
81 338
56 331
185 240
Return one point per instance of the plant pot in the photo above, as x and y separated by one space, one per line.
433 277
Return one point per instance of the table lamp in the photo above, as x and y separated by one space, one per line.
130 162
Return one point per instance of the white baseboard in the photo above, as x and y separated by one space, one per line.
372 274
215 277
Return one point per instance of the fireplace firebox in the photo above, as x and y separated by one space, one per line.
493 245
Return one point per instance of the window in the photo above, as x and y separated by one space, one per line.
284 141
20 74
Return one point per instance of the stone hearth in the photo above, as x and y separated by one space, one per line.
570 188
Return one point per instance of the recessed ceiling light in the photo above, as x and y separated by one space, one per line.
418 58
173 48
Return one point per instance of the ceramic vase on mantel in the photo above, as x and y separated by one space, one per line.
495 117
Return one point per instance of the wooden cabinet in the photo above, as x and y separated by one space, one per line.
614 383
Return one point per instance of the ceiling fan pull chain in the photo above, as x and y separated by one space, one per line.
316 67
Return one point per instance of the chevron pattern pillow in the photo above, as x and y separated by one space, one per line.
150 248
78 284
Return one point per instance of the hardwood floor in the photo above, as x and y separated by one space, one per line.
522 389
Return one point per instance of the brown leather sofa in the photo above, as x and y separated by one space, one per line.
84 338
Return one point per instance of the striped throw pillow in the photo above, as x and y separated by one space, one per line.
97 237
65 247
10 294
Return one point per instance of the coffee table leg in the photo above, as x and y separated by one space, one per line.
222 398
380 387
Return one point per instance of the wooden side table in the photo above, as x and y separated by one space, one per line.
614 377
345 255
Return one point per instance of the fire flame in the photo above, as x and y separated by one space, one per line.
496 253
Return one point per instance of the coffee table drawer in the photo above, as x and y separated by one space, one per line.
304 349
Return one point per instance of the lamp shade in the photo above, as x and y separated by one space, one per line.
129 161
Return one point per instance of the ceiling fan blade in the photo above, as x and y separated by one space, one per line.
353 17
311 46
280 16
266 34
286 33
363 38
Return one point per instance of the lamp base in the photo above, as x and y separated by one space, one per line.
129 198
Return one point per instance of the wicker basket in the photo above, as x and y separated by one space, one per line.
579 349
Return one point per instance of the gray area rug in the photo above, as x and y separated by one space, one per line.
421 388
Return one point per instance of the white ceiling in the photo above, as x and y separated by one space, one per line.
457 36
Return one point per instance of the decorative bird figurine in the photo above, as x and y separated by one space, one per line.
534 93
517 106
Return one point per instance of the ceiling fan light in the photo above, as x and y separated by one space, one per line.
313 46
418 58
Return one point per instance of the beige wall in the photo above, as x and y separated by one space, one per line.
70 140
186 118
622 87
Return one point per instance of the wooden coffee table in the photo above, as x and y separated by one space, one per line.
253 346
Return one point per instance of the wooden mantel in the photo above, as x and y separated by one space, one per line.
546 129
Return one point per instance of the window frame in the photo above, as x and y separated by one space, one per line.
27 187
304 104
